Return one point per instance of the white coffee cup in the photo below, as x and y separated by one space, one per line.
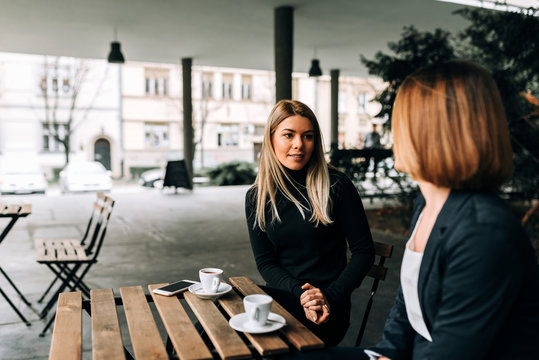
210 278
257 307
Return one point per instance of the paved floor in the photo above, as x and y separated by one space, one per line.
153 237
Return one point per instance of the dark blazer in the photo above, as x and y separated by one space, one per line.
478 287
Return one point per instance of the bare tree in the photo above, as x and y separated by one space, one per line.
203 114
61 85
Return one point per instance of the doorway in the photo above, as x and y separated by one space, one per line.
102 152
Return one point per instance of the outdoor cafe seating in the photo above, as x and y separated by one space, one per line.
184 341
206 334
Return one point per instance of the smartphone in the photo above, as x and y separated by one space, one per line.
174 288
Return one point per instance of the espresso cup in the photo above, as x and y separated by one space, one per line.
257 308
210 278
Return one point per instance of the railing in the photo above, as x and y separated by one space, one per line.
373 174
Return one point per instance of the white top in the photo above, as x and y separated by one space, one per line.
411 262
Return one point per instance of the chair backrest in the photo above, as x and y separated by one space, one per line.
101 228
378 272
94 218
102 209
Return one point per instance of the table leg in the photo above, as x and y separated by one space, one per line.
14 308
8 227
14 287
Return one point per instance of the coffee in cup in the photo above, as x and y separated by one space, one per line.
257 308
210 278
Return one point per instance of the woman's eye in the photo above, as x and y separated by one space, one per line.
288 136
308 136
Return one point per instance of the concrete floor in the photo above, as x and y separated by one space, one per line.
154 236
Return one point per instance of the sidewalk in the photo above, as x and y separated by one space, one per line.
153 237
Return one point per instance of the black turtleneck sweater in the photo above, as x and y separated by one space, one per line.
295 251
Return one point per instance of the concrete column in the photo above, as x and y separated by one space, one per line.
334 133
121 116
187 115
284 34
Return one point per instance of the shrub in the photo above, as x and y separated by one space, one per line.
232 173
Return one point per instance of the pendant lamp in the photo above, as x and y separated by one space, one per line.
315 69
115 54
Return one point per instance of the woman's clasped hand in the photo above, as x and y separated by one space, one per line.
315 304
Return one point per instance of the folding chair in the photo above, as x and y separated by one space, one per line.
378 273
71 263
42 244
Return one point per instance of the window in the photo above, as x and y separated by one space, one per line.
227 86
156 81
227 135
362 103
259 130
50 144
50 83
342 102
155 135
246 87
207 82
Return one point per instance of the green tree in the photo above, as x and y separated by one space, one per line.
505 43
415 49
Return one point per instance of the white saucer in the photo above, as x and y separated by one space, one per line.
240 322
201 293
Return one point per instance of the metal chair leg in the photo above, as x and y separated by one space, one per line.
47 291
49 323
14 308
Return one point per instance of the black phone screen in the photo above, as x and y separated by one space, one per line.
180 285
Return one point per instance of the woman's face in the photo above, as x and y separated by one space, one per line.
293 142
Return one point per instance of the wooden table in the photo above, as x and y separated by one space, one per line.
184 340
13 212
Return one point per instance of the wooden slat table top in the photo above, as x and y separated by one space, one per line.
12 210
147 342
181 331
143 330
106 335
265 344
67 334
226 340
297 333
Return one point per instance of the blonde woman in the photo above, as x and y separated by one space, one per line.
301 213
469 276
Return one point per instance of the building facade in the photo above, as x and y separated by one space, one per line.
129 117
44 100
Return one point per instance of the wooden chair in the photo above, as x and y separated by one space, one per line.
71 263
70 244
378 272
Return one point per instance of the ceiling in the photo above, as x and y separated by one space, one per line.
229 33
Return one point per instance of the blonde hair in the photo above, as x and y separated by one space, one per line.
449 127
272 175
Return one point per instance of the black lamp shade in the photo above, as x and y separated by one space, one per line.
115 55
315 68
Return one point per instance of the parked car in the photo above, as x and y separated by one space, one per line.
85 176
152 178
22 178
